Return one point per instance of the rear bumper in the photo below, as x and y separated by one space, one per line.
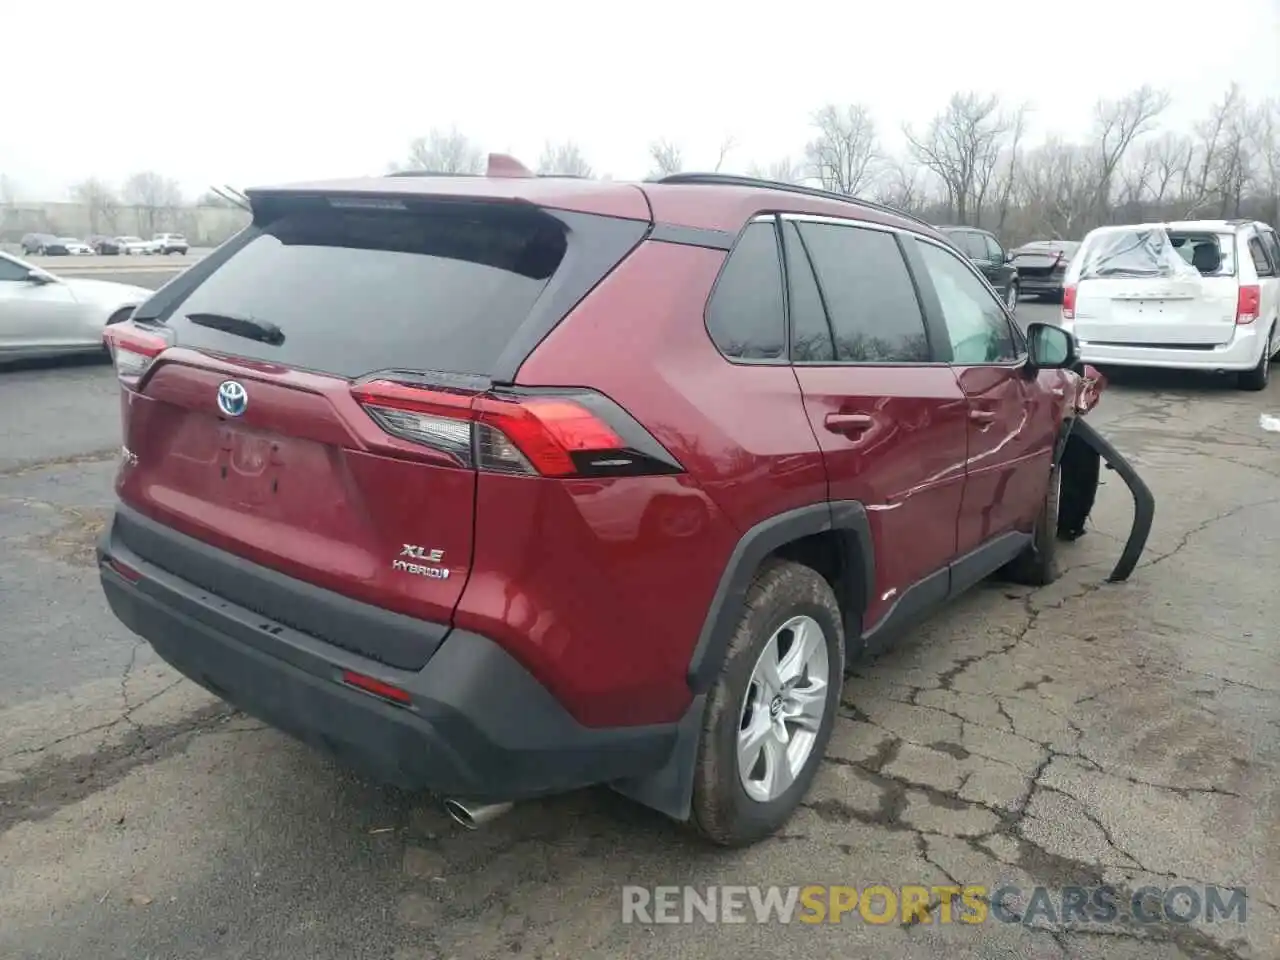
1040 285
479 727
1242 353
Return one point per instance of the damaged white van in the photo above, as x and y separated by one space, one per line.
1195 295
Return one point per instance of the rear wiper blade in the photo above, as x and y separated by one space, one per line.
261 330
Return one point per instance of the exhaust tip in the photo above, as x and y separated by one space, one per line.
474 816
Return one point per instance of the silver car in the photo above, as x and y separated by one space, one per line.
45 315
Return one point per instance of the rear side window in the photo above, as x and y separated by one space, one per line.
870 300
1261 260
994 251
745 316
356 291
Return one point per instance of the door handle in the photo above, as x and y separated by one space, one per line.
983 417
848 423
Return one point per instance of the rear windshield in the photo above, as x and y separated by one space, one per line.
1145 252
354 291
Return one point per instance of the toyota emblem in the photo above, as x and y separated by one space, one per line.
232 398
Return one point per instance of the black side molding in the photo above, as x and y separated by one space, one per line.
1144 504
845 516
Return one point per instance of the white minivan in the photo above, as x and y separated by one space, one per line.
1195 295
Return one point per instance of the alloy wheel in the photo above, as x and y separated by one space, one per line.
783 709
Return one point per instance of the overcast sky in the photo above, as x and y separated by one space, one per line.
277 90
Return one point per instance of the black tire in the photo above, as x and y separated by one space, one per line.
723 812
1259 376
1037 565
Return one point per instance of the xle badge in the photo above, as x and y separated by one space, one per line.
417 569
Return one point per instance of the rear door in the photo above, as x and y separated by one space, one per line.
1155 288
889 419
1012 421
249 433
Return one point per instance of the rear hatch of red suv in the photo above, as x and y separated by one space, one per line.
298 434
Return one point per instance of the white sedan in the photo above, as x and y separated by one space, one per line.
136 246
44 315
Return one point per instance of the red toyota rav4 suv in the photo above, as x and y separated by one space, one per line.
504 486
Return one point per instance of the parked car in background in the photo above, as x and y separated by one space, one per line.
135 246
987 254
45 315
1200 294
105 246
167 243
1042 267
43 245
820 424
76 248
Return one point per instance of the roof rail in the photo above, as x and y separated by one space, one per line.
428 173
735 180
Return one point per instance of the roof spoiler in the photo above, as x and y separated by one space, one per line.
502 165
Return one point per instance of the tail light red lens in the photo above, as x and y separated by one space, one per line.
548 436
133 351
1069 303
1248 303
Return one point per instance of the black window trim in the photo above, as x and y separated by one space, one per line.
932 332
785 358
935 303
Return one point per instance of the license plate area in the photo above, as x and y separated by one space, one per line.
258 471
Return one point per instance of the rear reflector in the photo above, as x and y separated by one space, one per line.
548 436
133 351
124 570
1248 303
1069 303
376 687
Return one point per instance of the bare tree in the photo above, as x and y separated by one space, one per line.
962 146
726 145
1117 124
1056 188
154 197
784 170
1010 165
565 159
843 153
899 185
99 201
665 157
1267 143
445 151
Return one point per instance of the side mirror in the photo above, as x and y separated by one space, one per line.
38 277
1050 347
1008 258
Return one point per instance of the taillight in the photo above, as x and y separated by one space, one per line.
133 350
1069 303
573 434
1248 303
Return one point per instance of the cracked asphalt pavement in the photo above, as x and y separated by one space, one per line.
1076 735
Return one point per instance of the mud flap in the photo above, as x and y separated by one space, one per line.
1081 460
